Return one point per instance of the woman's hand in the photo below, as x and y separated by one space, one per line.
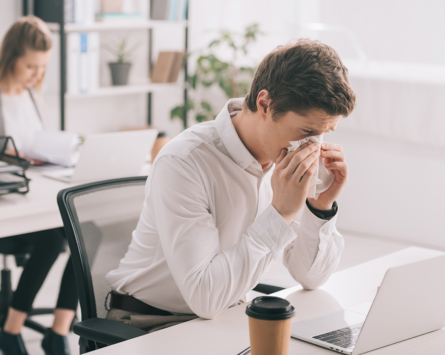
13 153
34 162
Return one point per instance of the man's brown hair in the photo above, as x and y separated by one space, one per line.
303 76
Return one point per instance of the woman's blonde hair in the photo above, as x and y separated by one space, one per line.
28 32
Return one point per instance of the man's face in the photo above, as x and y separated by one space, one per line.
276 135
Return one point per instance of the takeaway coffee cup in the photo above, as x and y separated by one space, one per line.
270 321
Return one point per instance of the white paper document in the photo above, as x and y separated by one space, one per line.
61 148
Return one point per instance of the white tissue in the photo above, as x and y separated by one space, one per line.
323 178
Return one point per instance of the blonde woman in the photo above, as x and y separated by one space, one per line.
24 53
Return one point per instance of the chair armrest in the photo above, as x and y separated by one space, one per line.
106 331
267 289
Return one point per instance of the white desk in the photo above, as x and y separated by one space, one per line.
229 334
37 210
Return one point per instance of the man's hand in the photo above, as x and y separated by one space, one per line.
291 177
334 160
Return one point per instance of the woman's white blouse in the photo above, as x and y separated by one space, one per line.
21 119
208 230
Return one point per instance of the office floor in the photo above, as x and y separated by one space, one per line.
358 249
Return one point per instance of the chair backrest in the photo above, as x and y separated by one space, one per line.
99 219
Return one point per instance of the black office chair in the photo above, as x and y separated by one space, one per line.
99 219
12 247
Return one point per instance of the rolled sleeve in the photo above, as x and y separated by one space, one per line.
315 253
271 228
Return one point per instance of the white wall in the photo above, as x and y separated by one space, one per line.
9 10
396 30
395 188
393 140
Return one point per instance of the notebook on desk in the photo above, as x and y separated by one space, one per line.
109 156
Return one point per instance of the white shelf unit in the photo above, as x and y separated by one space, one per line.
124 90
52 13
116 25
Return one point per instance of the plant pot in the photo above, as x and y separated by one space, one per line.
119 73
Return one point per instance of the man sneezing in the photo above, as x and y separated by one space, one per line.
225 198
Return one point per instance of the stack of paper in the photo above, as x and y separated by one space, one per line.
60 148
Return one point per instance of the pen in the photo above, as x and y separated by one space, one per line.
245 351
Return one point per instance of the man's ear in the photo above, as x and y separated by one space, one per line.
263 103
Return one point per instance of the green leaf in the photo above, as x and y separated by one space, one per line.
215 42
201 118
226 75
193 81
177 112
120 50
226 87
243 88
206 83
206 106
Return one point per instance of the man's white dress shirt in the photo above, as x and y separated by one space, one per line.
208 230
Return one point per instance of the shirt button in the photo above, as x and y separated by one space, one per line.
241 164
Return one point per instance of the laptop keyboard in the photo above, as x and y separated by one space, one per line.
344 337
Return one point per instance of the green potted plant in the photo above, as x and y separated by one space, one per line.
233 79
120 69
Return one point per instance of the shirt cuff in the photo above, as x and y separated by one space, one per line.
272 229
314 227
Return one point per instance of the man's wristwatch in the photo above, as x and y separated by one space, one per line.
323 214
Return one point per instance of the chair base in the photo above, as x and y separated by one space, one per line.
29 323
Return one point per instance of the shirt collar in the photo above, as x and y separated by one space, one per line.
237 150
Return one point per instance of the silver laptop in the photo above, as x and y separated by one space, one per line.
109 156
410 302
